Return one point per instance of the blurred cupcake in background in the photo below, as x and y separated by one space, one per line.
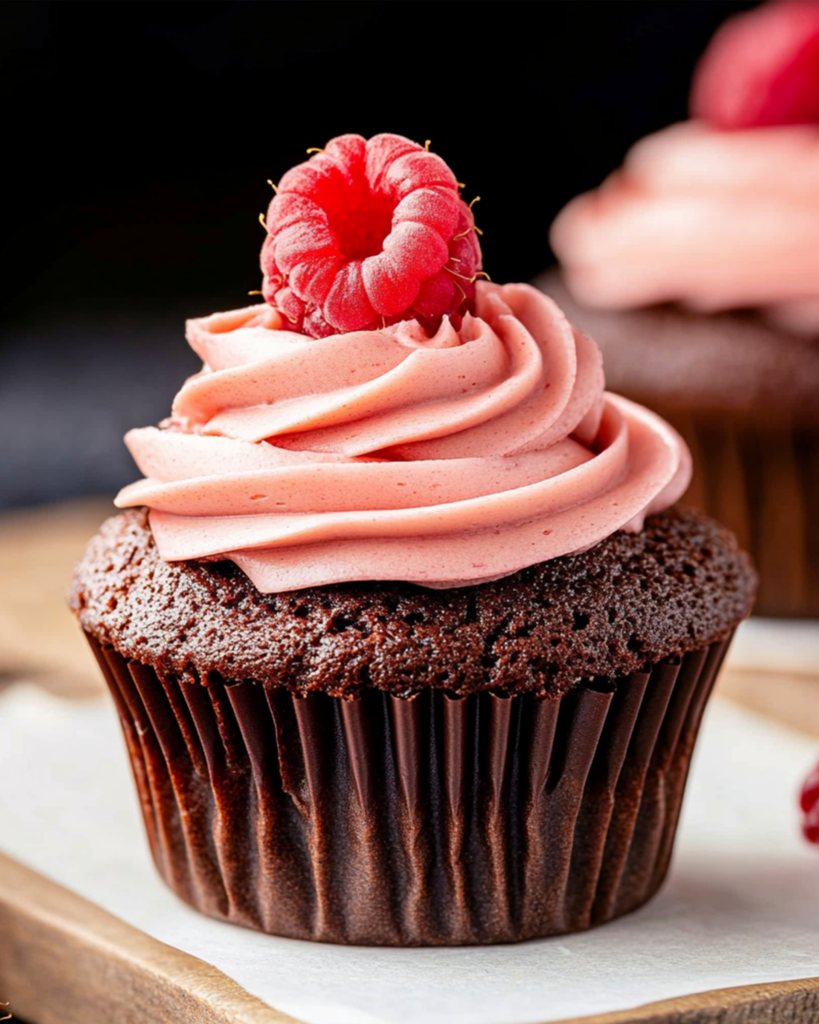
696 268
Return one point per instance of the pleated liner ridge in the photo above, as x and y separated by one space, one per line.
429 820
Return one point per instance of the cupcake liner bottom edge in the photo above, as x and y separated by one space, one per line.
429 820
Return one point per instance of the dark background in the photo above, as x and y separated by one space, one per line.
139 137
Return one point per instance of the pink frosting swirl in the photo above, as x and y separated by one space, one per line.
717 220
389 455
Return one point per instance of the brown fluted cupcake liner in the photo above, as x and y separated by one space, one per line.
761 480
429 820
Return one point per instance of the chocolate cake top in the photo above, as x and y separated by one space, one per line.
734 363
632 600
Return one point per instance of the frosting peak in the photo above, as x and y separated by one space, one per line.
385 454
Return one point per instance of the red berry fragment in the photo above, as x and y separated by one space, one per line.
369 232
761 69
809 802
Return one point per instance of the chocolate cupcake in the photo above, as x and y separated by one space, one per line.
379 763
720 215
406 649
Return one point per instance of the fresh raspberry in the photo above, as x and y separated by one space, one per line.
809 802
366 233
762 68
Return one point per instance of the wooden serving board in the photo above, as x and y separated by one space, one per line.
65 960
70 962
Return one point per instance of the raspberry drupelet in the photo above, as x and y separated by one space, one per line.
367 233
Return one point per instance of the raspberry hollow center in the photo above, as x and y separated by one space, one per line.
361 224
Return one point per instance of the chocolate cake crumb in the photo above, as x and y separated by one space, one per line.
629 602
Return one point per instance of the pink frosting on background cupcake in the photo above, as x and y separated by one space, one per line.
716 220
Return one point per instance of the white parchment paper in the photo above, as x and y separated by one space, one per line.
741 904
779 645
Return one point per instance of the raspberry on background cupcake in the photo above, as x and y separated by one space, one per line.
720 215
410 648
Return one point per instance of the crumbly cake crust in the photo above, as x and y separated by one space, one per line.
631 601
